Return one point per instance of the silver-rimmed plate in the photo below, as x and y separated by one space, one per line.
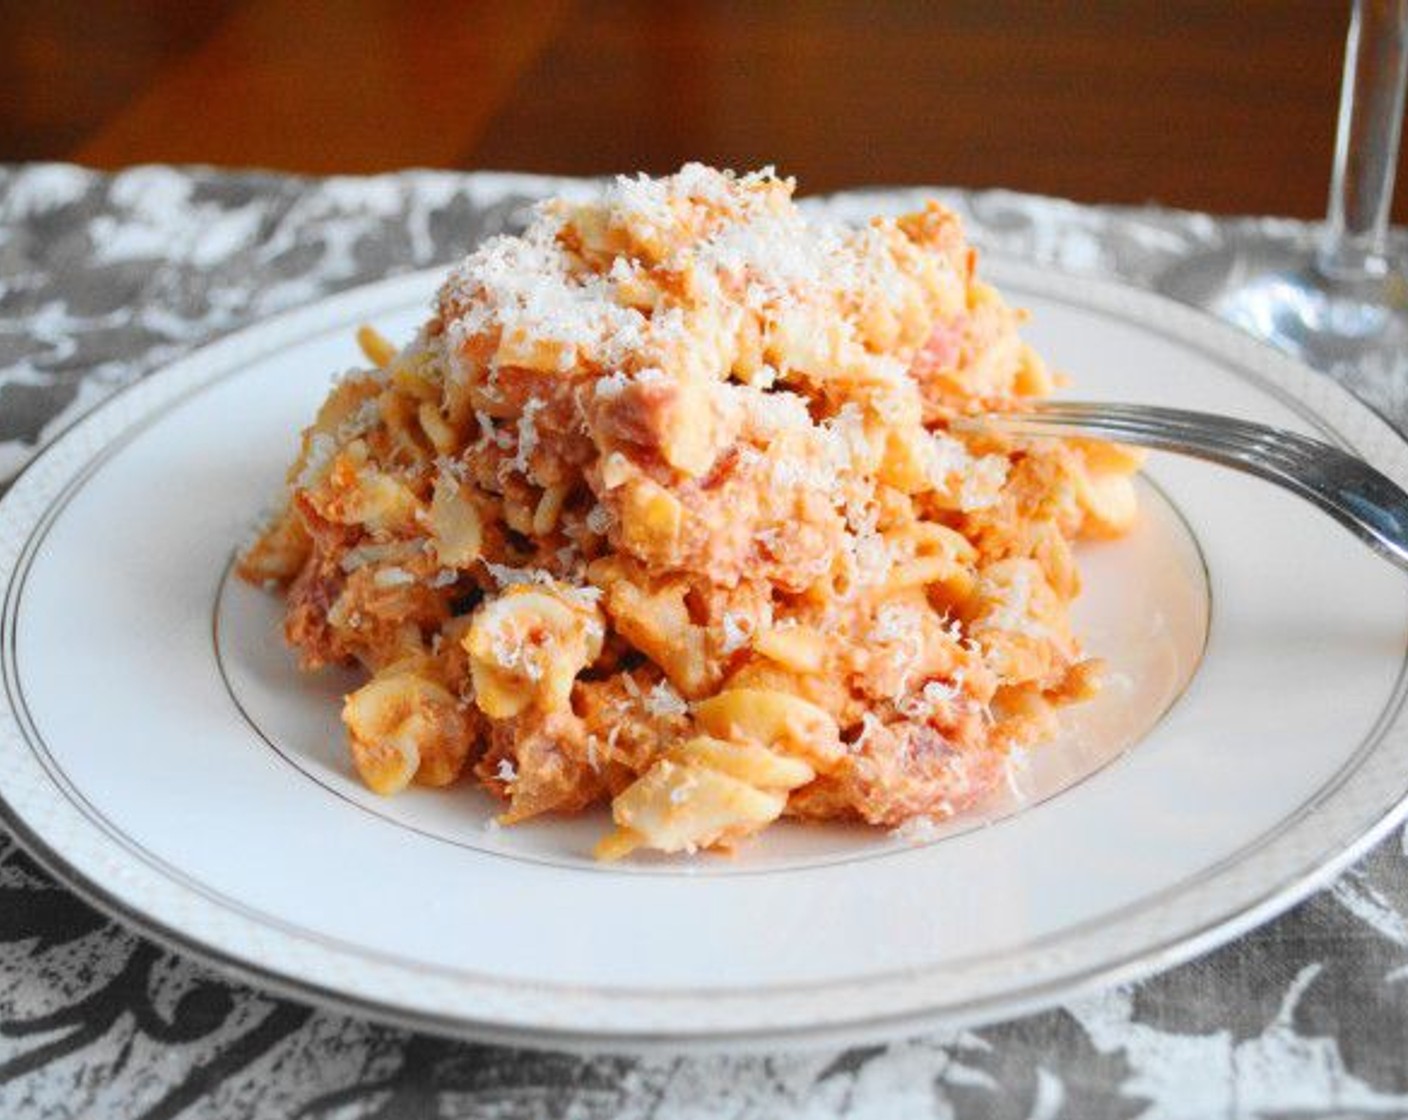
162 755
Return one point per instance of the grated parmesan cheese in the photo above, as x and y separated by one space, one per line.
982 483
527 287
611 386
600 520
527 442
869 724
366 417
321 449
488 433
507 576
1012 604
359 556
663 700
931 699
581 596
738 631
921 830
944 457
895 622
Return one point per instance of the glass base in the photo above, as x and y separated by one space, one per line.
1357 332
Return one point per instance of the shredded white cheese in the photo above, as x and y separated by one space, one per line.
919 830
931 698
507 576
663 700
982 483
393 577
321 449
527 442
600 520
738 631
366 417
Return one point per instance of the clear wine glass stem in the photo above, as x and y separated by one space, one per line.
1366 142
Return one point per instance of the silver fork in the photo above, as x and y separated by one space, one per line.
1356 495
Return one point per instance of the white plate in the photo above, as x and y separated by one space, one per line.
161 754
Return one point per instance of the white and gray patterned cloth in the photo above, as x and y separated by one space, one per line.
106 278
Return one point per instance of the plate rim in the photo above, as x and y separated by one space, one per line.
1272 372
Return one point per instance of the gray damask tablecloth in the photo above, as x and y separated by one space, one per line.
105 278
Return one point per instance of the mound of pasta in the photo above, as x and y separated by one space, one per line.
662 507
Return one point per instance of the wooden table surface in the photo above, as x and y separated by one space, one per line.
1221 105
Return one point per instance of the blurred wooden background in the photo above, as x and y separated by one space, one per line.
1223 105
